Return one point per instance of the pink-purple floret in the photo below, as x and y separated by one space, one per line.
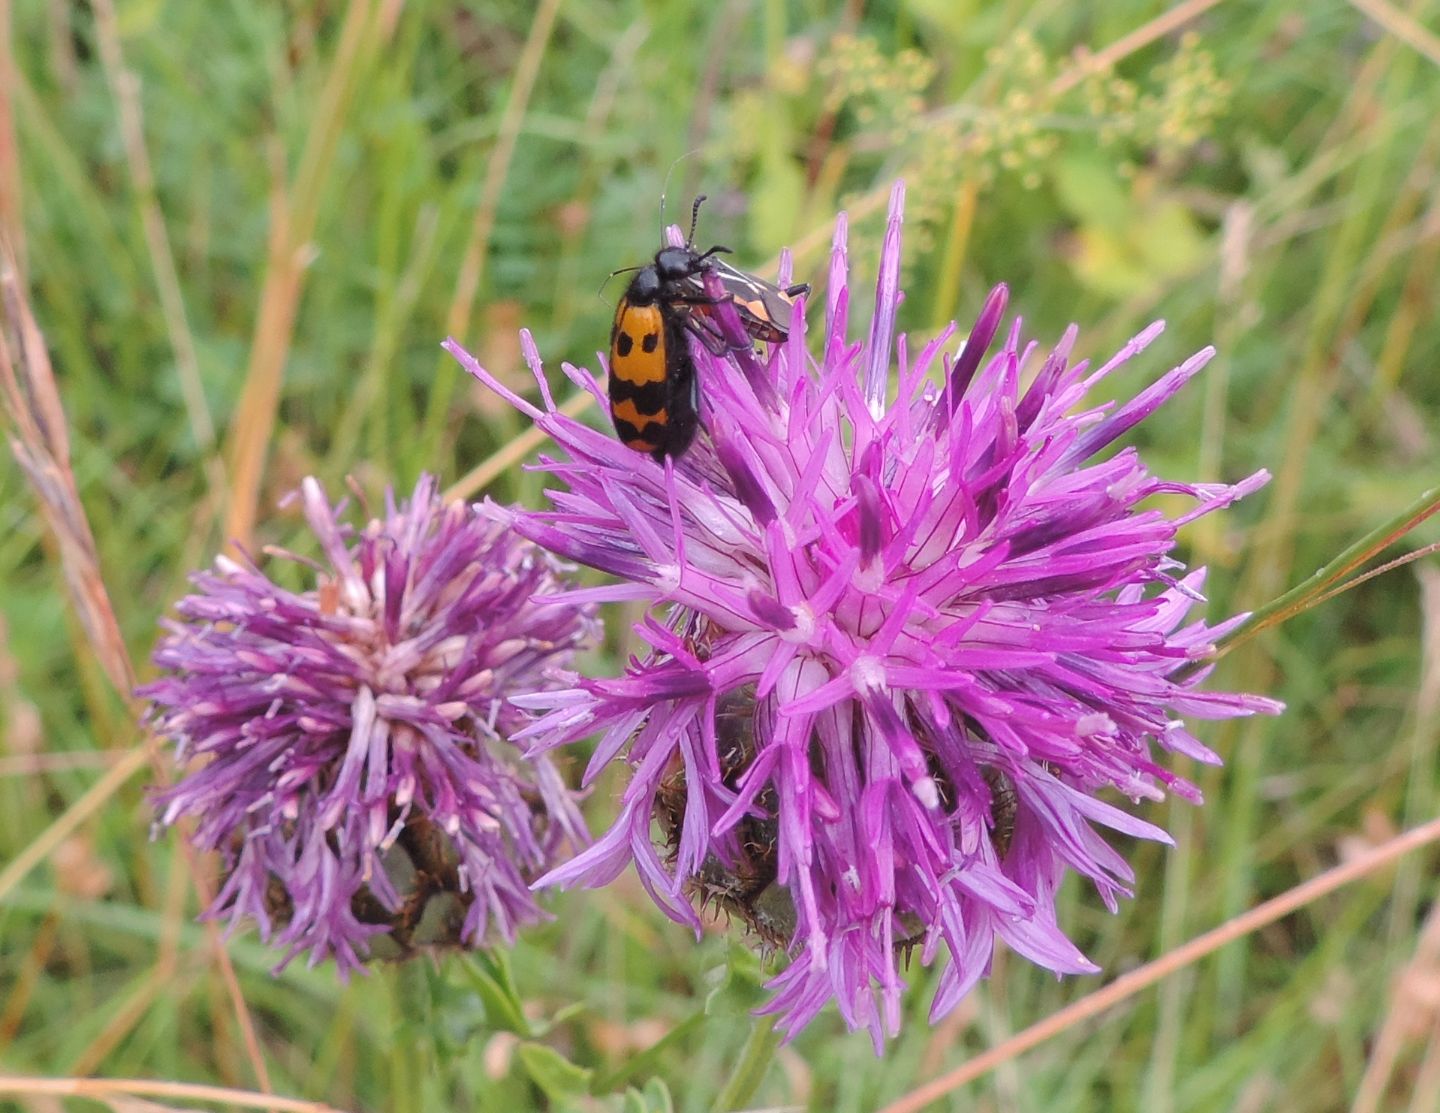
921 572
312 725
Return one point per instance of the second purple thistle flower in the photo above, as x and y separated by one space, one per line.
902 639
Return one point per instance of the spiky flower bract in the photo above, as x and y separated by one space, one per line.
946 623
346 747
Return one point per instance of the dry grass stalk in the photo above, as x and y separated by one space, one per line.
294 211
11 226
1413 1014
41 445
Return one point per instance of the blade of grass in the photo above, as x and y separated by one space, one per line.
1413 34
1128 985
1322 583
1166 23
1332 320
12 227
484 473
569 286
1424 965
1414 308
952 259
69 821
477 247
125 87
395 308
506 457
107 1089
294 212
41 445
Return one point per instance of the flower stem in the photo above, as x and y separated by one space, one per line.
412 1052
750 1071
1321 585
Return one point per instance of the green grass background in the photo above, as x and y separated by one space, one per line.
332 178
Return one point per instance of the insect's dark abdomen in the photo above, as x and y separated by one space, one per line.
682 400
652 380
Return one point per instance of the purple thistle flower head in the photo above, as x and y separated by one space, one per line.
902 639
347 747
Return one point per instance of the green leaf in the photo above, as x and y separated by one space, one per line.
1168 240
738 985
633 1101
775 207
655 1098
649 1059
491 977
1092 192
957 19
556 1075
560 1016
1162 240
1103 261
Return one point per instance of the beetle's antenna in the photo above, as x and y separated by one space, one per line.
694 219
612 274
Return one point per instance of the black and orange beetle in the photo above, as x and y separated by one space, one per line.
654 391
